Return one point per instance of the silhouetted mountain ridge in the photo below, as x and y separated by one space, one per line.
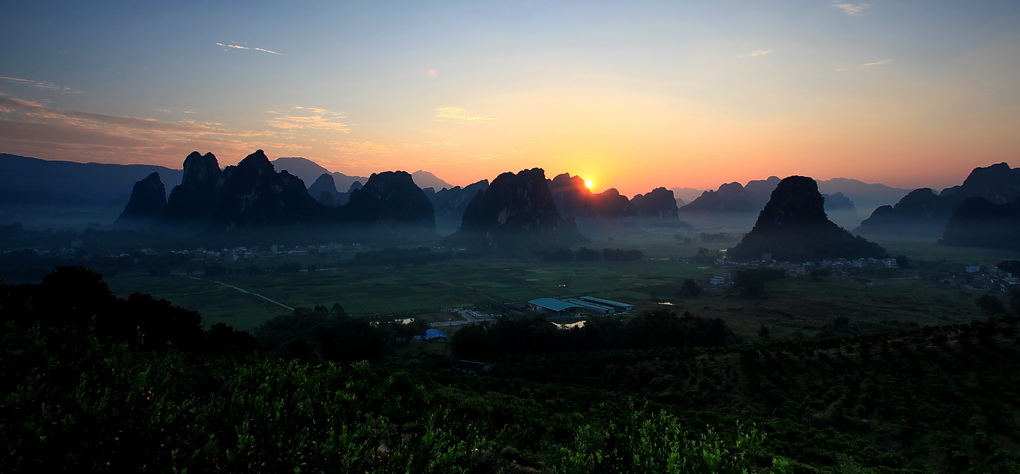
191 200
425 179
736 198
324 190
147 203
574 199
391 200
310 171
450 203
516 211
978 222
793 226
253 195
925 213
27 180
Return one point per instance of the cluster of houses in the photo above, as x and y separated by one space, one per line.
841 266
836 265
973 278
247 253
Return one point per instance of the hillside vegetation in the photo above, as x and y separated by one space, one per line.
99 383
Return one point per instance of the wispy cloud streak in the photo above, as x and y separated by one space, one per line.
308 118
757 54
249 48
35 129
41 84
22 110
852 9
458 113
882 62
877 63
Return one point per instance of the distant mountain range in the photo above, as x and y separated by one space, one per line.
26 180
31 180
839 194
309 171
574 199
515 211
253 195
984 211
735 206
793 226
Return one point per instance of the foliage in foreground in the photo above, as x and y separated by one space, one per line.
537 335
73 402
942 397
96 383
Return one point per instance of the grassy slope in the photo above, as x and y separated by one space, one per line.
947 397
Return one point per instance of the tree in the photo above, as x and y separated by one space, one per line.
621 255
472 340
690 287
752 286
705 256
991 304
560 254
585 254
1011 266
223 339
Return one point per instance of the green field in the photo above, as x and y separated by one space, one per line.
792 307
382 291
928 250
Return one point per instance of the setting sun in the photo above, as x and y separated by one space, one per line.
588 184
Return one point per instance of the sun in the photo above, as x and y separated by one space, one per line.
588 184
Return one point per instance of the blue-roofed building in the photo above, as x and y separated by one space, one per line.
553 305
572 305
615 304
590 306
435 335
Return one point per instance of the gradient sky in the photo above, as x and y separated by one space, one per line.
631 95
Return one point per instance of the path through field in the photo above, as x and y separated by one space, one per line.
242 290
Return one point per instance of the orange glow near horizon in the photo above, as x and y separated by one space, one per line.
664 94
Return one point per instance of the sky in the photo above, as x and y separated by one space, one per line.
627 94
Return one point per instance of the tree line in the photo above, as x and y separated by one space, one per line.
76 300
586 254
537 335
93 382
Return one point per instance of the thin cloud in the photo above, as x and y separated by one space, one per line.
41 84
865 65
458 113
314 118
852 9
169 110
249 48
877 63
34 129
13 109
757 54
36 111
